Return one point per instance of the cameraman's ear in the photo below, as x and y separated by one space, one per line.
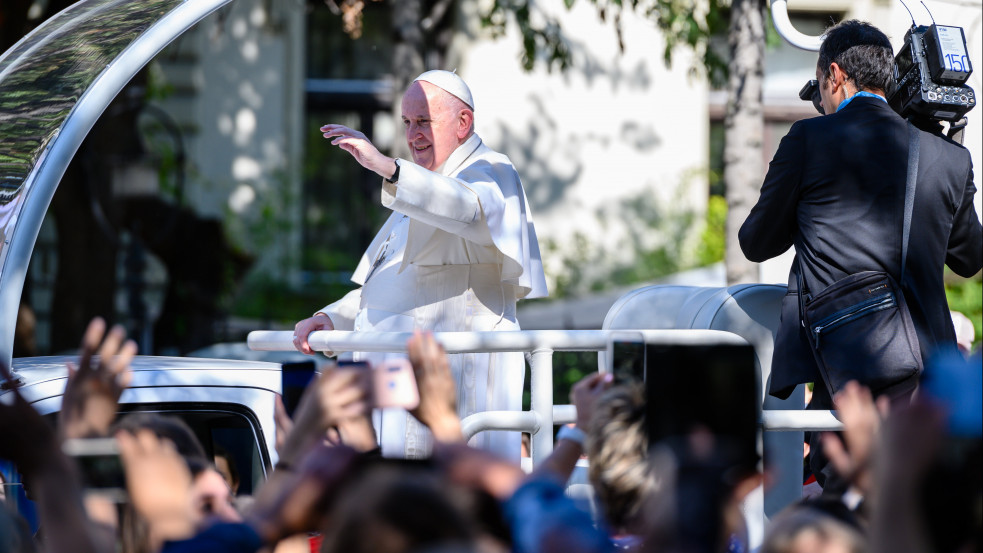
837 76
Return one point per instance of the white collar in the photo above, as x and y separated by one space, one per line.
460 154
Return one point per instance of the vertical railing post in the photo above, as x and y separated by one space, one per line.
541 390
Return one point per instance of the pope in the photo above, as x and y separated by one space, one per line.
457 252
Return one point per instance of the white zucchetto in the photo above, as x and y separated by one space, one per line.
449 82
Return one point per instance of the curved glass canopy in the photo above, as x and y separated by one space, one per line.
54 85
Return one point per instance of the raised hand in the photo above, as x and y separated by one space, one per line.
301 499
159 484
861 418
338 395
438 395
93 389
364 152
560 464
584 396
28 441
283 424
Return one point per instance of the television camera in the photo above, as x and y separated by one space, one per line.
930 73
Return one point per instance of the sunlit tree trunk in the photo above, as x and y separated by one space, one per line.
744 129
407 57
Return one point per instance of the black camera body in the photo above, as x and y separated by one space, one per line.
931 70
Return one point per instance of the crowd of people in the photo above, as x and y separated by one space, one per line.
913 473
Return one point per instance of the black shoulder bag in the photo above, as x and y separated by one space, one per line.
859 327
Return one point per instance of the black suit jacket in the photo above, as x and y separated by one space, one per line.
835 190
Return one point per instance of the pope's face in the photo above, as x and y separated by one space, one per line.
431 124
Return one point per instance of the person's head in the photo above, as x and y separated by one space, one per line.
438 116
226 466
853 56
617 447
395 510
172 428
210 493
808 529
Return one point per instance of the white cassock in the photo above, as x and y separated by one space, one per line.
457 252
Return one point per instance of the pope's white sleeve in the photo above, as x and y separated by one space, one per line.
342 312
453 205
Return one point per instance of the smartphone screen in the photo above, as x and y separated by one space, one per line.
349 364
100 466
626 357
294 378
704 389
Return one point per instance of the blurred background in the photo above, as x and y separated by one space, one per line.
206 204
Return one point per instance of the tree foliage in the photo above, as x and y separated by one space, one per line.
682 23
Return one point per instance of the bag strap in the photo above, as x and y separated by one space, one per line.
909 195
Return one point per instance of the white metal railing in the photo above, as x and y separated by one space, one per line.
779 17
539 346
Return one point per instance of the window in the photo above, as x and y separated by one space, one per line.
347 83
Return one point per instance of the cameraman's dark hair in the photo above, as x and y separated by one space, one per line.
862 51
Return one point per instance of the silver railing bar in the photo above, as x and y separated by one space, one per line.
471 342
794 420
539 345
516 421
772 420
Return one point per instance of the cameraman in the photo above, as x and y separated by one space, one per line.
835 190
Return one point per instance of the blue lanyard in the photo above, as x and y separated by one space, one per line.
863 93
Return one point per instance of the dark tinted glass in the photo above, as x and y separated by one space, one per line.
43 77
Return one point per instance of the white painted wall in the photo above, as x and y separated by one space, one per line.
247 108
613 127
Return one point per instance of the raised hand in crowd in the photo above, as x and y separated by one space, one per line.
337 398
30 443
571 443
861 417
159 485
283 425
909 443
438 395
305 496
92 392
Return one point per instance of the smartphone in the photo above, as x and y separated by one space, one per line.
294 378
100 465
703 391
394 385
626 357
389 384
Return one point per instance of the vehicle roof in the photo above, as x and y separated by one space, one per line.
156 371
